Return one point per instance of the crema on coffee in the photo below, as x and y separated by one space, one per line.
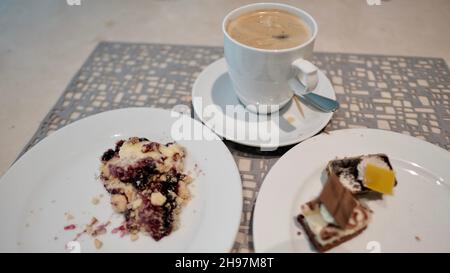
269 29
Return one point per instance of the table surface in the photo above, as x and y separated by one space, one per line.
409 95
43 43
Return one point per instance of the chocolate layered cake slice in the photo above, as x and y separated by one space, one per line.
147 184
333 218
352 171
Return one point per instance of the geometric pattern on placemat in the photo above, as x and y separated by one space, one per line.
403 94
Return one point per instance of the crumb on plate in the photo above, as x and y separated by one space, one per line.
98 244
95 201
134 237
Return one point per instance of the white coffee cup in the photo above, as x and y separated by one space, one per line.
261 77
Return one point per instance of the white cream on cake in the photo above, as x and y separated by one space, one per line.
373 160
349 181
317 223
326 215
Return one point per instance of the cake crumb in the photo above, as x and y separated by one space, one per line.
134 237
119 202
100 229
417 238
290 119
93 221
98 244
95 201
69 216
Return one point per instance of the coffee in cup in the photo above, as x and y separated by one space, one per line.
268 48
269 29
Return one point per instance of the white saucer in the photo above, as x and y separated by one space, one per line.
212 93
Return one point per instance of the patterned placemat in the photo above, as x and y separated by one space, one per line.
409 95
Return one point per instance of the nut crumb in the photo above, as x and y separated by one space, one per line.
157 199
98 244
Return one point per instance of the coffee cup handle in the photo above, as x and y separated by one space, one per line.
306 74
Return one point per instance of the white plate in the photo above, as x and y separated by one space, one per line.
58 175
419 207
213 88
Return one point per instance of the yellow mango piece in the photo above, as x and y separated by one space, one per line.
379 179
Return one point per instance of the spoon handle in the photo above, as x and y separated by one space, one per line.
319 102
322 103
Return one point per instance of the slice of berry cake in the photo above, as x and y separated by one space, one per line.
147 184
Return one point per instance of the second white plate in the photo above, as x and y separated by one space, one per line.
415 219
